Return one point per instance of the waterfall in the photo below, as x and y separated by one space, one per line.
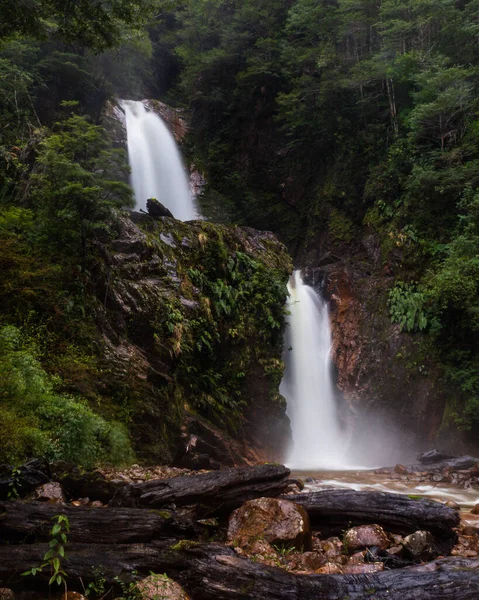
157 170
318 440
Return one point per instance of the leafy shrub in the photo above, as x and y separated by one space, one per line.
407 307
37 420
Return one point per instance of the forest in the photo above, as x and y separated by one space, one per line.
322 121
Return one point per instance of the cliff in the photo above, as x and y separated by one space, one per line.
190 317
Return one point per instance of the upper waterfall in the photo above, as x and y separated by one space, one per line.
319 441
157 169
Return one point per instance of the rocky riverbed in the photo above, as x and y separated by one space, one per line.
241 533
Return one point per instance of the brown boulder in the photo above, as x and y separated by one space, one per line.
274 521
6 594
51 492
365 536
475 510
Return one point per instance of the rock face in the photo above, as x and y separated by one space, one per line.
191 318
365 536
393 392
275 521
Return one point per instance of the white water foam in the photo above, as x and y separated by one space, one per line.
318 440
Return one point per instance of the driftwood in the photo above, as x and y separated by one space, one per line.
22 522
227 489
337 509
212 572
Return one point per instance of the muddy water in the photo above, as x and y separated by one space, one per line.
410 485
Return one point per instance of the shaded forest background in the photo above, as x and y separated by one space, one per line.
311 118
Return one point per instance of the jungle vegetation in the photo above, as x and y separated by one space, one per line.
335 118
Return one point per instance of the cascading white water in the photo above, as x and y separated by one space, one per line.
157 170
318 441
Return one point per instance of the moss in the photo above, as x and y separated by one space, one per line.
340 226
183 545
164 514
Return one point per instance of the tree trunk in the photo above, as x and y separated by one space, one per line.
331 511
223 490
31 522
212 572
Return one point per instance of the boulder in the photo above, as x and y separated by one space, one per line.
51 492
420 545
157 209
156 586
434 456
276 521
7 594
475 510
365 536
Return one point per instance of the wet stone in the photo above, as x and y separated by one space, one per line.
276 521
365 536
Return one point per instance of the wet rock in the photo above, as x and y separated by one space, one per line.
434 456
420 545
156 586
366 568
357 559
329 568
156 209
306 561
401 470
275 521
261 548
332 547
74 596
7 594
51 492
365 536
475 510
469 524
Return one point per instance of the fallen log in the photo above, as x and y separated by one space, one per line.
31 522
228 489
212 572
331 511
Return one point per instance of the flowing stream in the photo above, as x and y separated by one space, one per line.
157 170
318 439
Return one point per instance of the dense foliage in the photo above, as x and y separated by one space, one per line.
347 118
60 182
327 121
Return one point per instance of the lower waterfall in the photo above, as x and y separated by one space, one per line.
157 170
318 439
